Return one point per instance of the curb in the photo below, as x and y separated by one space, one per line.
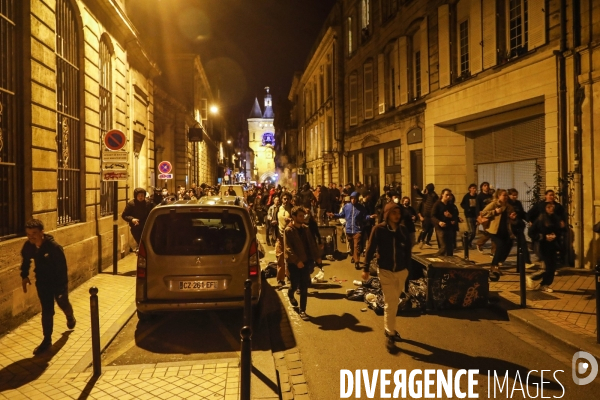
550 330
290 375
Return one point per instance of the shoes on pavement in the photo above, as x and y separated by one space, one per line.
530 283
293 301
357 266
546 288
390 345
303 316
421 245
479 248
43 347
529 265
71 321
494 276
352 260
281 283
395 337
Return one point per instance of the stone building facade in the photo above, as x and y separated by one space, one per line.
71 70
455 92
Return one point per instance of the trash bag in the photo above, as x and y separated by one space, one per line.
417 292
357 294
375 301
372 283
270 270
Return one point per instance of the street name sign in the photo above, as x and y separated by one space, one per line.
165 176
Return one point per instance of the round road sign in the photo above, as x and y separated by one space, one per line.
165 167
115 140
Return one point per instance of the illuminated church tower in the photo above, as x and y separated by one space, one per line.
262 140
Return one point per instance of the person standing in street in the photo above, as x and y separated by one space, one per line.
469 206
356 217
136 212
409 217
390 244
301 254
546 230
51 278
429 197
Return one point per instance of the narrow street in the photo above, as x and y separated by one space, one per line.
344 334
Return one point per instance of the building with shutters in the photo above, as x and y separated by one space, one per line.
70 71
455 92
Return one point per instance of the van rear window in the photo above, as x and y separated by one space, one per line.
198 234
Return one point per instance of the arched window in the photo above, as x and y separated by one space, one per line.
106 116
68 115
11 143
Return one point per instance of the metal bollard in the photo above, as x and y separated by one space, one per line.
95 330
246 335
521 268
597 301
465 240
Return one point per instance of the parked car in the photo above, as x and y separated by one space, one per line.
195 256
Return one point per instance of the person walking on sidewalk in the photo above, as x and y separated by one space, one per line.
356 216
519 226
445 222
429 197
136 212
546 230
409 217
502 217
301 254
469 206
390 244
483 199
283 219
51 278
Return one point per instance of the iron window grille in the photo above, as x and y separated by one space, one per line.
67 110
11 142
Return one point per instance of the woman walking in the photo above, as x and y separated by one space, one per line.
501 216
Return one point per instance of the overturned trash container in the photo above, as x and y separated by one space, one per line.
453 283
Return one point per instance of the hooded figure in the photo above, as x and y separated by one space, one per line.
136 212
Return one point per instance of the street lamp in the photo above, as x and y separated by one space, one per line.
228 141
214 109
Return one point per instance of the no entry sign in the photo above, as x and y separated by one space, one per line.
165 167
115 140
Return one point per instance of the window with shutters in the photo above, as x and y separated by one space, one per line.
391 67
389 8
105 66
365 20
353 89
417 73
463 43
368 90
328 80
67 113
517 27
11 142
321 87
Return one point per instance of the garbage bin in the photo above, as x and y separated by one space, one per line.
453 283
328 239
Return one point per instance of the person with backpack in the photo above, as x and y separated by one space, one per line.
390 245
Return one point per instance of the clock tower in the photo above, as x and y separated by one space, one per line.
262 140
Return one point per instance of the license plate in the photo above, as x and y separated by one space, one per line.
198 285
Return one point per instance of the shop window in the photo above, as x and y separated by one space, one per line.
392 156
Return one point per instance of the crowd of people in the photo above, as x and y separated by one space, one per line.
382 228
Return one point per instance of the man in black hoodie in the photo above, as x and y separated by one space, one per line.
136 212
391 241
429 197
51 278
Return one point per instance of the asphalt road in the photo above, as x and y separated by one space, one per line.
343 334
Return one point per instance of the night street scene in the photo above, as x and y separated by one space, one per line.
299 199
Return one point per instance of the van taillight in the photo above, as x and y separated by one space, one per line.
253 259
141 261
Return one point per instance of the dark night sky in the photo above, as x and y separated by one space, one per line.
244 45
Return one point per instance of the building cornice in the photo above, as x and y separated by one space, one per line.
326 42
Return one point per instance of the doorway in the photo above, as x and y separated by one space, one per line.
416 175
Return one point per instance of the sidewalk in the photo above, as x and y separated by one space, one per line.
567 315
63 373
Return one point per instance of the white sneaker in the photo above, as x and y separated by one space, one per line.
531 284
546 288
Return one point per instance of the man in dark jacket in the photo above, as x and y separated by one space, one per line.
301 254
136 212
391 242
469 206
51 278
445 223
429 197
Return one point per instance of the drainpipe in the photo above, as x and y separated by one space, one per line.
579 96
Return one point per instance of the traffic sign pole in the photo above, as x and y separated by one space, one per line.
115 226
